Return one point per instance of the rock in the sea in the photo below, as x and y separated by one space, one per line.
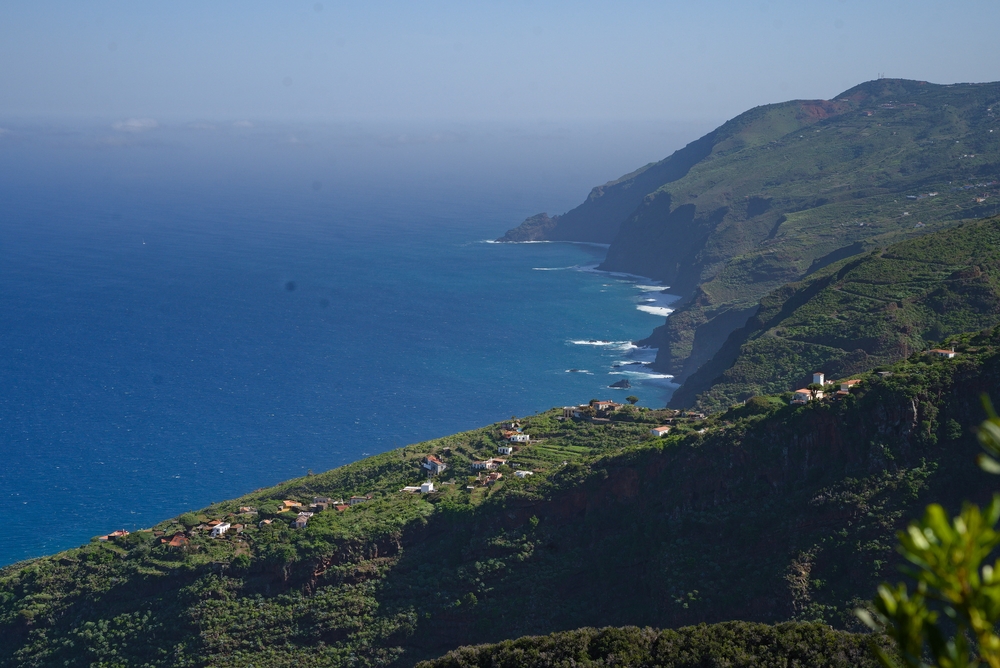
622 384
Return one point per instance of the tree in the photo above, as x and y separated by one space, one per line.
954 581
632 399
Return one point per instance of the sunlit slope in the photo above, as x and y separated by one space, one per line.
856 314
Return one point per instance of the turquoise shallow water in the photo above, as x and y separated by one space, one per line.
164 347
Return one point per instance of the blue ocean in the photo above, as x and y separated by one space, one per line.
193 313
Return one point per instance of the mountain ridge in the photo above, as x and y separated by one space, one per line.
782 189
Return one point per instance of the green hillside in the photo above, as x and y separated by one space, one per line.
767 513
785 189
857 314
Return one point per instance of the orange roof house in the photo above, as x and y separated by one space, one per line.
433 464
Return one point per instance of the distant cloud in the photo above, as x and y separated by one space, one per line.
135 125
242 124
201 126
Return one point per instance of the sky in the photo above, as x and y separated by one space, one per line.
512 61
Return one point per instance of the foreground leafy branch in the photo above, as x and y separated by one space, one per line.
950 619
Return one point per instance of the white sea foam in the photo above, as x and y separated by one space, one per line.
551 268
621 346
651 288
641 375
592 269
589 373
655 310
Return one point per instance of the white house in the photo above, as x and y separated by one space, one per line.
660 431
944 353
427 487
523 474
803 396
355 500
819 378
845 386
220 529
505 449
434 465
488 464
519 438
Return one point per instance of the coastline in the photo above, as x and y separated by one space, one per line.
655 301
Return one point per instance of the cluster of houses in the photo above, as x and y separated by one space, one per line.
304 511
805 395
486 470
595 410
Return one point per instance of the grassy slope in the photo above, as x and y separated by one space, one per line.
857 314
787 188
766 513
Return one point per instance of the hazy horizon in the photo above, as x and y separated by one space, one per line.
510 62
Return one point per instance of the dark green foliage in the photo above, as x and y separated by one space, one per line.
733 644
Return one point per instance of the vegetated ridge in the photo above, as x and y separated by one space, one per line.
736 644
856 314
766 513
784 190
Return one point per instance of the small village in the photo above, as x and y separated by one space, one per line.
512 452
